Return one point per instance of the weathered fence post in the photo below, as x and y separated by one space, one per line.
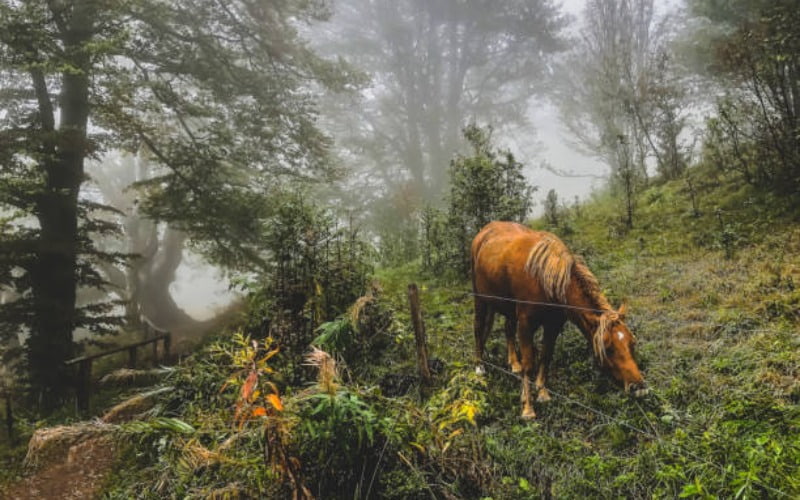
9 418
132 357
167 342
83 387
419 335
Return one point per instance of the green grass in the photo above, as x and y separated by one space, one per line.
714 305
714 302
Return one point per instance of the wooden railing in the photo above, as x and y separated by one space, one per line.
83 382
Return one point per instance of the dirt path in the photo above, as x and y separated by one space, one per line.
80 475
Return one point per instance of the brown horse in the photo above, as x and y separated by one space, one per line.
532 279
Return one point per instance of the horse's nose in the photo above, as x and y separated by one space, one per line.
638 389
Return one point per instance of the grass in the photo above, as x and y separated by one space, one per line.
713 300
714 303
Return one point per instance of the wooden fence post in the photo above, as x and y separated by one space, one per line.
9 418
167 342
83 386
132 357
419 335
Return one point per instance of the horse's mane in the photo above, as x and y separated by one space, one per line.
551 262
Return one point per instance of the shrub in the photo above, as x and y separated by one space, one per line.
488 185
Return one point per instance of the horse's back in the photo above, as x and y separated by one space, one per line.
499 254
501 237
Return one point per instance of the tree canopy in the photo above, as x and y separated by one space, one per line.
220 95
436 65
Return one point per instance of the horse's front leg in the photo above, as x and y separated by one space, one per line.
525 329
551 331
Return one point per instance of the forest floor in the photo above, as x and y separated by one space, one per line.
80 471
714 299
79 474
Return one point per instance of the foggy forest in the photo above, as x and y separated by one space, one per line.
399 249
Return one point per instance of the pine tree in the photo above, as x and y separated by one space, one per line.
218 93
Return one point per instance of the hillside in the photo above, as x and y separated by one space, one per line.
714 302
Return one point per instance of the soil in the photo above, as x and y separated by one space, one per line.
79 476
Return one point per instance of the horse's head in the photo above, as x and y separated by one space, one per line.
613 345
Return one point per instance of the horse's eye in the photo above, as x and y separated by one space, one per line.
610 350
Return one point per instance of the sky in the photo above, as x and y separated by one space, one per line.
553 145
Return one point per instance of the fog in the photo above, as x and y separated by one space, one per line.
393 86
201 289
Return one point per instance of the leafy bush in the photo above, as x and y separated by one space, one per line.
487 186
755 131
319 267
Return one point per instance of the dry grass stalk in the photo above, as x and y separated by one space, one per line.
132 408
327 369
229 491
197 456
358 306
88 450
53 443
127 376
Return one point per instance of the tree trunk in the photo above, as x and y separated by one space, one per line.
54 278
154 298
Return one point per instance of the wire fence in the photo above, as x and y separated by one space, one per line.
653 436
621 423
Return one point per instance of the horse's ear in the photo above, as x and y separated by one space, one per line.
623 310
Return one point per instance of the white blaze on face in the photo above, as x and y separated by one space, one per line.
620 336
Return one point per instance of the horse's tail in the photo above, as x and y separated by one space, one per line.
551 263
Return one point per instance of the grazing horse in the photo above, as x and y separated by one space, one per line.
532 279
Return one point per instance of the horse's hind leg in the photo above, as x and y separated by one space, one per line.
484 320
552 329
511 343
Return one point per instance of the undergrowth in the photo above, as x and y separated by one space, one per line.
713 301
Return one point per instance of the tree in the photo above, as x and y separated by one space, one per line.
618 95
155 250
756 130
551 208
221 93
488 185
436 65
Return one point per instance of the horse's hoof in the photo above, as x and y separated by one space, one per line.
528 414
543 396
516 368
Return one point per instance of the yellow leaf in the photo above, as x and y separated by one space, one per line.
258 411
418 446
455 433
470 411
269 355
275 401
